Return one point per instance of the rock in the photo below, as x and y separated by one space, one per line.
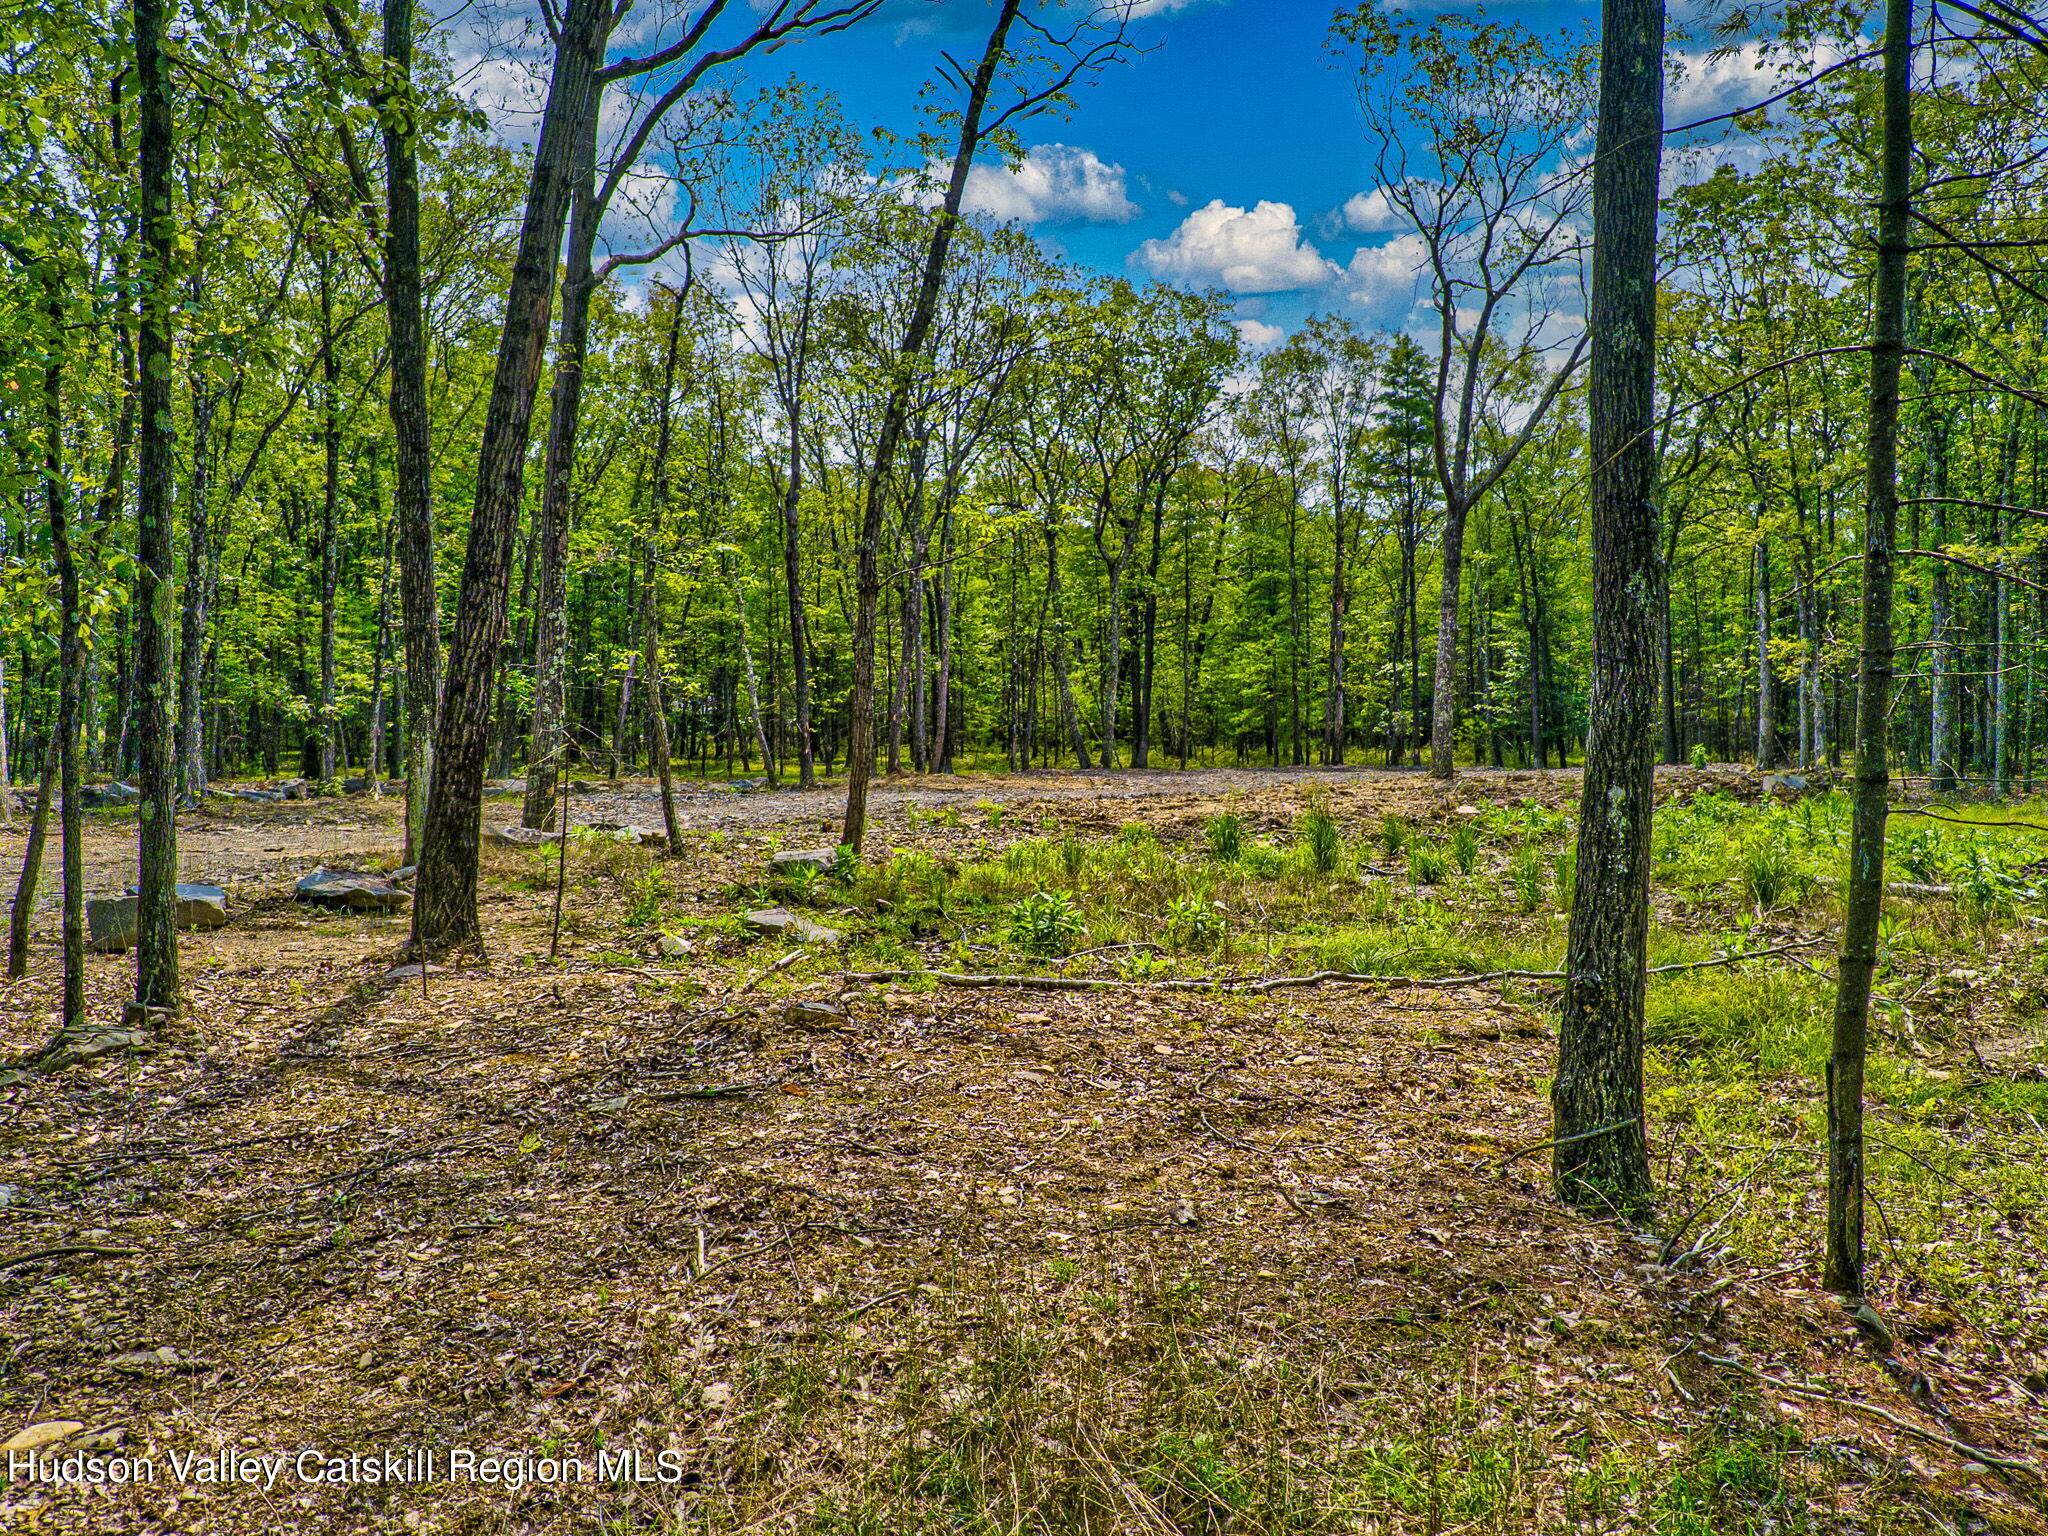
519 837
582 787
110 924
294 789
779 922
1466 810
619 832
76 1050
792 859
100 797
358 786
110 921
411 972
749 786
815 1013
36 1436
1785 786
403 876
675 946
110 1438
143 1361
359 892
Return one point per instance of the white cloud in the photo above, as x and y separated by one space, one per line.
1256 250
1384 278
1703 84
1055 183
1372 213
1259 336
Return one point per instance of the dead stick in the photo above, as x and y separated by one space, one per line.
1963 1447
63 1253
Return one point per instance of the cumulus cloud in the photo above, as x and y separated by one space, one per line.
1255 250
1260 336
1055 183
1384 278
1702 84
1371 213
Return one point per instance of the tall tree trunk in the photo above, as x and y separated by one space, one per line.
156 949
1863 894
1766 683
1058 647
1340 602
412 494
24 908
860 758
942 704
618 762
545 747
1944 730
1443 704
330 498
70 658
793 588
444 909
1601 1162
754 718
198 595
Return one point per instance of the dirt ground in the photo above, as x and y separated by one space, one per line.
559 1209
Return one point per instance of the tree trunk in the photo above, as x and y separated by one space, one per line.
1863 894
793 586
1766 684
1443 711
1058 646
547 743
156 948
330 497
198 595
31 871
860 762
444 909
412 494
1601 1163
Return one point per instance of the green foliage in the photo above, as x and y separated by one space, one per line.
1427 864
1046 923
1698 756
1193 924
1321 843
1465 848
1393 835
1528 875
1225 835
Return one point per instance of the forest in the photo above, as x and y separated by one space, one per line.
669 781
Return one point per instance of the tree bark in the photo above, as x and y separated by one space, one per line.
1863 895
200 575
1601 1162
330 503
860 757
444 909
1443 704
31 872
412 494
156 949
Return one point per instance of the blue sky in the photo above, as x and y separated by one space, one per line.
1227 153
1236 102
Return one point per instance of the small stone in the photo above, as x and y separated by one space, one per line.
675 946
814 1013
36 1436
717 1394
519 837
412 972
329 888
782 923
110 1438
792 859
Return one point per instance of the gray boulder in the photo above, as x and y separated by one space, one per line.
361 893
111 921
100 797
519 837
792 859
780 922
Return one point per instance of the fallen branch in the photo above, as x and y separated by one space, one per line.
1565 1141
1961 1447
1276 983
75 1250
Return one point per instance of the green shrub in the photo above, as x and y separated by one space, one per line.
1465 848
1393 835
1526 874
1699 754
1261 862
1767 872
1225 834
1193 924
1566 865
1427 864
1046 923
1135 834
1321 842
1073 858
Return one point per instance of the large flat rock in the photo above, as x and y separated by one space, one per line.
361 893
111 921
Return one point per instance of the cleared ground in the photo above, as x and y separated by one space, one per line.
966 1259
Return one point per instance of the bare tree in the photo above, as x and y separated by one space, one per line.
1472 127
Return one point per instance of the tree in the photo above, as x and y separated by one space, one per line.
1601 1161
1495 225
1863 895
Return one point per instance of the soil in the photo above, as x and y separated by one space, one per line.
613 1201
